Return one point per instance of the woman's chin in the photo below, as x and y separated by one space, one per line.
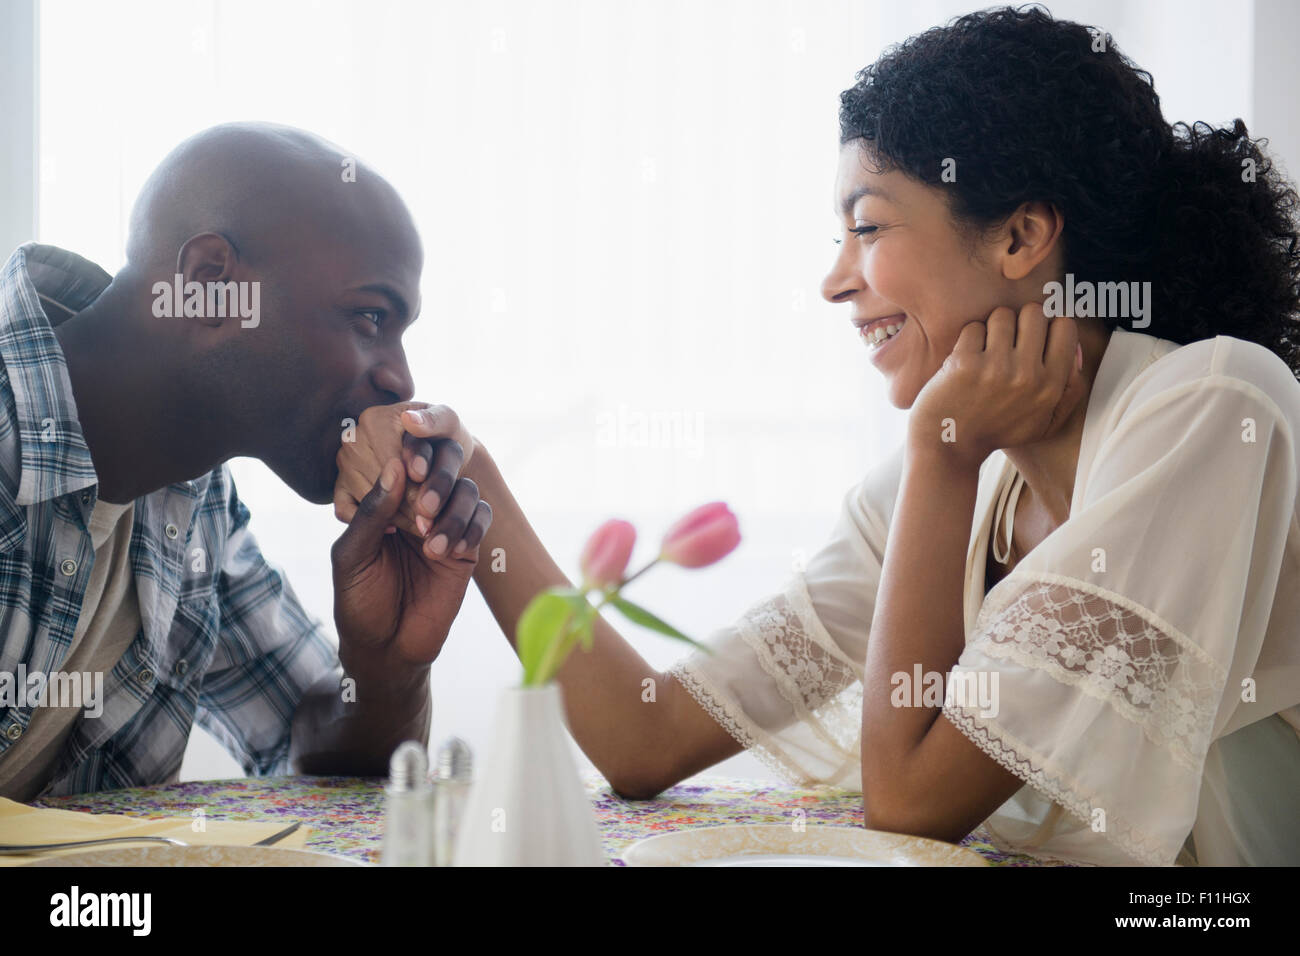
901 396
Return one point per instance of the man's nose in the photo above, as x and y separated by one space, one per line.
393 377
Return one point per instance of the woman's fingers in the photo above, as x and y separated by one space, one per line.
1000 330
439 421
1060 357
1031 333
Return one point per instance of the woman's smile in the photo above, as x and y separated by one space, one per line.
877 335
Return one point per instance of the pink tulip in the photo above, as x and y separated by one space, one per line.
707 534
605 557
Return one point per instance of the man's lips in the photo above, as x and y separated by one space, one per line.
864 324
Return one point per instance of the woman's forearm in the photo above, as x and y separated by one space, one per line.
638 726
918 621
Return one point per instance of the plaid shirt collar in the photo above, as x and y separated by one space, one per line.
41 287
55 458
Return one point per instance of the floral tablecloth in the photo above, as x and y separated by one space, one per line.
346 814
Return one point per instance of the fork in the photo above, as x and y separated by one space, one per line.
15 848
11 848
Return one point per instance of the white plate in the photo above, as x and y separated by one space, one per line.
781 844
196 856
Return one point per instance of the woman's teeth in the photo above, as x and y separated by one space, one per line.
882 332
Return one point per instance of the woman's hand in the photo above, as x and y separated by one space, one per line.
1009 381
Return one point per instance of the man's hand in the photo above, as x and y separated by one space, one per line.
394 603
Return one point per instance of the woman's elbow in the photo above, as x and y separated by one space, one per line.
637 787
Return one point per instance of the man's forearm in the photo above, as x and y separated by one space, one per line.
351 723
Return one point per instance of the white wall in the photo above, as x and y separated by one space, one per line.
18 118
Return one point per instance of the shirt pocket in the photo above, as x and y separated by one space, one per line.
192 640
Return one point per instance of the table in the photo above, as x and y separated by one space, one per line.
345 814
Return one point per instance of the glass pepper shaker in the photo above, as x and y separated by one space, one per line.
453 774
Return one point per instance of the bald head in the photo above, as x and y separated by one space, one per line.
264 187
329 252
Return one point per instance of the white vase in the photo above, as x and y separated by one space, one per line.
528 806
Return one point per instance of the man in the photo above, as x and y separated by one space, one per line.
269 278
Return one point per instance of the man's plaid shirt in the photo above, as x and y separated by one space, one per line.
223 638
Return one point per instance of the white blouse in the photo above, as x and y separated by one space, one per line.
1147 652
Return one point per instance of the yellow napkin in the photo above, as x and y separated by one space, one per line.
20 823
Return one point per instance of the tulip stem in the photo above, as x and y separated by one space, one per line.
627 581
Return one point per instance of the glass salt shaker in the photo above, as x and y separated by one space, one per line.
408 816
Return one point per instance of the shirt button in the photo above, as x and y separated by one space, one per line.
68 567
13 732
182 667
145 676
172 531
85 497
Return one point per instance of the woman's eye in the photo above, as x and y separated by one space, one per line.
861 229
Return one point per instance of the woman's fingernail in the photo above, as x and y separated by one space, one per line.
1078 357
423 524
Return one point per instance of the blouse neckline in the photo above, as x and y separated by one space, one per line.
1127 355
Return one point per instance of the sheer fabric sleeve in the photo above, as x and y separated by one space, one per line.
785 678
1119 643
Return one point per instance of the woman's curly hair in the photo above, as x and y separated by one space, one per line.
1033 108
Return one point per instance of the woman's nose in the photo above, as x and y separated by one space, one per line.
842 281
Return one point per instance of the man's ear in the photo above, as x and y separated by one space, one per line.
209 257
1030 235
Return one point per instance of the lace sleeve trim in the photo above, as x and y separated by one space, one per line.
733 720
819 681
1111 649
1020 760
821 684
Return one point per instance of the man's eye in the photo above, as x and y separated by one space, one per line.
375 316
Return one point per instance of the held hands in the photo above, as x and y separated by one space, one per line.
400 573
437 504
393 603
1010 381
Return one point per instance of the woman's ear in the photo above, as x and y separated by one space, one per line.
1030 236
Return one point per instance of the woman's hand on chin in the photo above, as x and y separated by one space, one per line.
1010 381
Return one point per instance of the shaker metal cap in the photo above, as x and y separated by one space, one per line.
408 769
455 760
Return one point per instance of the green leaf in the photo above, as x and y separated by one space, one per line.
586 633
539 627
639 615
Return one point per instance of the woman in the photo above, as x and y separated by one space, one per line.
1091 527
